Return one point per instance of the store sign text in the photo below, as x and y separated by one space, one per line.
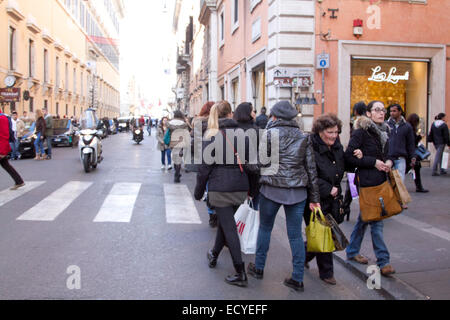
378 76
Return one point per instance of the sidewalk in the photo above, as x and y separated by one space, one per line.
418 241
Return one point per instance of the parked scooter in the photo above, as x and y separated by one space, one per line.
138 135
90 145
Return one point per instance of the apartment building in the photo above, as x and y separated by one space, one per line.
63 55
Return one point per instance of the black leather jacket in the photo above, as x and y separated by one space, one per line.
297 167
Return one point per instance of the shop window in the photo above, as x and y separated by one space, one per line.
402 82
259 88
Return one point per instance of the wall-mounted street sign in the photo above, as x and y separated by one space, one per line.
323 61
9 94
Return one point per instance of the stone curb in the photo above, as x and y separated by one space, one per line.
391 288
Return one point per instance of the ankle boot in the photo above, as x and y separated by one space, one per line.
240 278
418 182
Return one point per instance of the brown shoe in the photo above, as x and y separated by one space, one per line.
17 186
387 270
360 259
331 281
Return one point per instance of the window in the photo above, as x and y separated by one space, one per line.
82 15
12 48
81 85
221 29
57 109
46 104
45 66
57 80
253 4
31 58
74 80
66 86
234 15
74 111
31 107
67 109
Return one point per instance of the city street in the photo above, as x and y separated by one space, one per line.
154 247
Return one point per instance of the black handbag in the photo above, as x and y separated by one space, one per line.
337 209
339 238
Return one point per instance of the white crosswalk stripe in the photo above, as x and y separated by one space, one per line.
180 207
9 195
119 205
53 205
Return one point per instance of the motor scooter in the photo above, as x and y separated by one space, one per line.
138 135
90 145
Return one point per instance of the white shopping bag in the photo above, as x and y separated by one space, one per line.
444 164
247 223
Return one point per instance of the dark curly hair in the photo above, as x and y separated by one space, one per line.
326 121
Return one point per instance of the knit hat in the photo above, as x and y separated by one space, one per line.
284 110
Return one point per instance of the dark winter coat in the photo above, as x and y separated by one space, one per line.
5 147
40 126
297 167
252 176
223 178
366 139
330 171
262 120
439 133
401 140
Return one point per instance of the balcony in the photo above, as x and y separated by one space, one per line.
205 10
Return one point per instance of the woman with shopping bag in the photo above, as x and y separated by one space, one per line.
289 186
228 186
371 137
330 163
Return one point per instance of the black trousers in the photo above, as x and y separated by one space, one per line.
227 234
324 263
11 171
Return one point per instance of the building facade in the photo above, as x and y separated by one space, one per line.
63 55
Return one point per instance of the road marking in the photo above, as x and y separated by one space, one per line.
52 206
119 205
180 207
9 195
423 227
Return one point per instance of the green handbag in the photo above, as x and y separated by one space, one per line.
318 233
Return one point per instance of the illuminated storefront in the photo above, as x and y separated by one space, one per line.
392 81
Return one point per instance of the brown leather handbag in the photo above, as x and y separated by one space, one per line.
379 202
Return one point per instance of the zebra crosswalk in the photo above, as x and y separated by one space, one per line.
117 207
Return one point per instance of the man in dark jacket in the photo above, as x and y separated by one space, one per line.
48 132
439 136
401 140
262 119
289 186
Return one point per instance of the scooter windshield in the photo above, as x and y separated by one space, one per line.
88 120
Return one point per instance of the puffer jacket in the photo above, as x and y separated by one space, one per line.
178 124
439 133
297 167
225 177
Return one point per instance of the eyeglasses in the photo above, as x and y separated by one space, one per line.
379 110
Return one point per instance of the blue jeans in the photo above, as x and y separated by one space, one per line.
167 152
379 247
49 146
39 145
400 165
294 218
15 149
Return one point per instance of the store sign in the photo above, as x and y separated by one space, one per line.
9 94
378 76
283 82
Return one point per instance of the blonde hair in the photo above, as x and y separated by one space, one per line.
218 111
39 114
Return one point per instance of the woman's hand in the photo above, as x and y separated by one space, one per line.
334 192
312 206
381 166
358 154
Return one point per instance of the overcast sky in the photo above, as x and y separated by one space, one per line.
146 42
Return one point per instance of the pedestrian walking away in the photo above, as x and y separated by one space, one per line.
294 182
414 120
330 164
17 126
439 137
5 148
262 119
228 187
371 136
48 132
40 135
201 122
179 139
